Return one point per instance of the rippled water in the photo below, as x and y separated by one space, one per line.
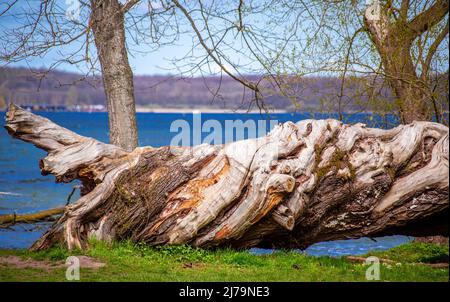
23 189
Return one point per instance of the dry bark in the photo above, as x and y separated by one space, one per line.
303 183
108 26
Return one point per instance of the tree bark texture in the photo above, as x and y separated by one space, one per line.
107 22
305 182
393 41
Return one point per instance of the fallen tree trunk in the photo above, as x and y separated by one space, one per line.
303 183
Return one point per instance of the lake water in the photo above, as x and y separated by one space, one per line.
23 189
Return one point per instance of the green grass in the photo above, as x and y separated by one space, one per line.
416 252
129 262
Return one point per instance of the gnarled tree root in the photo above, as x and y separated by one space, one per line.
307 182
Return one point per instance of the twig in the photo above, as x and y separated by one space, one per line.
71 194
30 218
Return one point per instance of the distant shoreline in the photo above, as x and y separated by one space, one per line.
173 110
206 110
203 110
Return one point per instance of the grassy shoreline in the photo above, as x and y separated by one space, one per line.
129 262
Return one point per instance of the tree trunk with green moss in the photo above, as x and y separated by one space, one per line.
305 182
393 38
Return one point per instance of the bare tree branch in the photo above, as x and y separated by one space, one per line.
128 5
428 18
432 50
210 51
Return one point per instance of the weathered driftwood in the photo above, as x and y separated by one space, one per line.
303 183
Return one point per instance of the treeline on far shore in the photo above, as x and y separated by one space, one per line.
64 91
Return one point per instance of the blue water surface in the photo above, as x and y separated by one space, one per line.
23 189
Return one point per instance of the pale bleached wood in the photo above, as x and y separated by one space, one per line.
434 174
304 182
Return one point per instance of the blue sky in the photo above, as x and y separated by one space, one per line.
155 62
147 61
